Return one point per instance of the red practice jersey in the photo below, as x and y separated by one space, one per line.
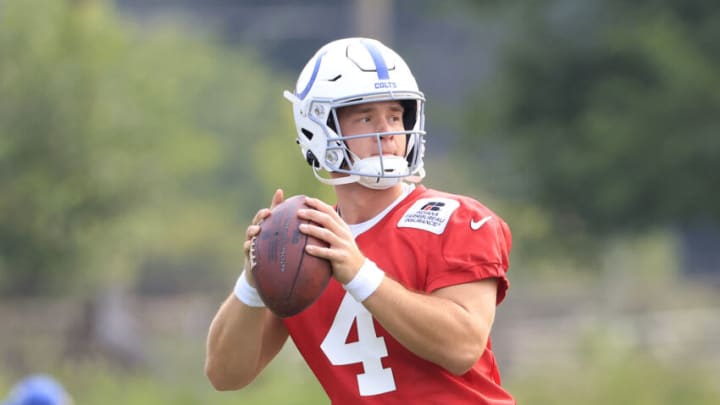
428 241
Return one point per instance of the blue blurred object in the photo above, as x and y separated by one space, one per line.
38 389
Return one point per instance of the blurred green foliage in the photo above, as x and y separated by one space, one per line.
606 111
127 150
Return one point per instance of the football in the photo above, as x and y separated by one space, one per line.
286 277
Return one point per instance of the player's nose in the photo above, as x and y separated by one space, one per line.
383 129
387 144
380 130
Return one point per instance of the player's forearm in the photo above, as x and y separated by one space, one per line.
434 328
234 345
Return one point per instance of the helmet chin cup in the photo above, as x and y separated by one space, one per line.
378 183
380 172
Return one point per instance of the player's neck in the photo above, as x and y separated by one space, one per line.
357 203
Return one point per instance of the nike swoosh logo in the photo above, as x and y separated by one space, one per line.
476 225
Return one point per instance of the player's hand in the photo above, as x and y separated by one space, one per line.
254 228
343 252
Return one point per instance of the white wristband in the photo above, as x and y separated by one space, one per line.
365 282
246 293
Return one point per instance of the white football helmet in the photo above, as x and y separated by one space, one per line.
355 71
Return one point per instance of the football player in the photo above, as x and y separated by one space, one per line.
417 273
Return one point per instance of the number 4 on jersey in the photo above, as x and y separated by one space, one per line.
368 350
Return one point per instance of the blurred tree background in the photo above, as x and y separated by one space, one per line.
133 155
604 111
117 147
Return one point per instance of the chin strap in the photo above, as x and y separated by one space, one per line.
416 178
369 181
351 178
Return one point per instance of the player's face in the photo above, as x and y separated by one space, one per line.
373 118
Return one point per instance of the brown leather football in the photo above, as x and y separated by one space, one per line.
287 278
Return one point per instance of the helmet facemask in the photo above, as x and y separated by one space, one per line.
379 171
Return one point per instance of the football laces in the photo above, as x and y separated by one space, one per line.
252 253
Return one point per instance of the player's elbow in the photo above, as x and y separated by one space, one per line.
462 365
224 380
464 359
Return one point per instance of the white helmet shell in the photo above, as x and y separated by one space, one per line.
354 71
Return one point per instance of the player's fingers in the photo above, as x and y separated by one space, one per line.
325 216
252 231
320 218
278 197
345 262
334 221
319 232
321 252
246 246
338 243
320 206
260 215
